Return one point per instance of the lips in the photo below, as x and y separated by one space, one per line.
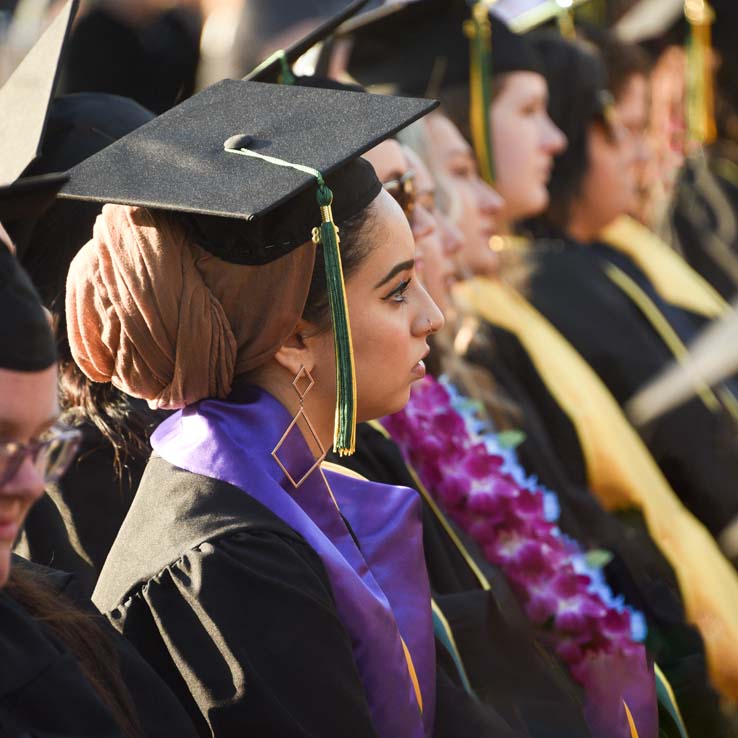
11 518
419 369
9 530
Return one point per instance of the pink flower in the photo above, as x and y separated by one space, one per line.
453 489
509 523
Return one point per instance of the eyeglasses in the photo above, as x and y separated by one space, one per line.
51 455
403 190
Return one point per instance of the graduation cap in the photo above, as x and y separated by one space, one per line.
78 126
26 341
24 102
263 162
426 47
277 67
25 97
28 197
648 19
525 15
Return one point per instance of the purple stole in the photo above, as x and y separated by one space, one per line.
380 586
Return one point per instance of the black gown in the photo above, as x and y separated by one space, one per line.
44 693
638 569
696 447
235 611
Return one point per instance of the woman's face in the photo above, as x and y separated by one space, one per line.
29 408
476 204
609 185
633 109
435 252
525 142
391 165
391 315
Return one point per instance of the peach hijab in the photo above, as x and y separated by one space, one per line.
166 321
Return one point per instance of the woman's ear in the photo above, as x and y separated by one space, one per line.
298 350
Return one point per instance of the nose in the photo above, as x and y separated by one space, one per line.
429 318
490 201
643 151
27 483
422 223
451 236
554 141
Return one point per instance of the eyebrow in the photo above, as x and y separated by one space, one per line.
468 153
396 269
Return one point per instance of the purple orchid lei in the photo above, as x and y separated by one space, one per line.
478 483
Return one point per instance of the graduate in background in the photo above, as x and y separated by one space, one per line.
692 184
601 300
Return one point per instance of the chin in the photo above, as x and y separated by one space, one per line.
539 201
387 406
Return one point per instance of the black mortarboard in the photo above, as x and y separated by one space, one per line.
78 126
277 67
386 55
27 198
179 160
24 102
26 341
25 97
250 154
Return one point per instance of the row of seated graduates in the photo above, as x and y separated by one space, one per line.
111 407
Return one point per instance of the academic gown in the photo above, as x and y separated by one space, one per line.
44 693
243 616
695 446
506 668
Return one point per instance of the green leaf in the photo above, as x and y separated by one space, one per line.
598 558
511 438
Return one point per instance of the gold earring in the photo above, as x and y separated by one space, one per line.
303 374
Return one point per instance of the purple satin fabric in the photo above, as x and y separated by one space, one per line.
381 589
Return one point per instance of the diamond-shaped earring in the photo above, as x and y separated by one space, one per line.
302 384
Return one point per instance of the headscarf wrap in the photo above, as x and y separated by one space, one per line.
164 320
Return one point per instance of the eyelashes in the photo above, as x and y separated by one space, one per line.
398 293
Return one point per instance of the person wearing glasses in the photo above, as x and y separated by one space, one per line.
64 672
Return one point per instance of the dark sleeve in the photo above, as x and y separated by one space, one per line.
460 715
245 631
74 524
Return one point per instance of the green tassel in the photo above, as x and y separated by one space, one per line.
286 77
479 31
344 432
344 435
